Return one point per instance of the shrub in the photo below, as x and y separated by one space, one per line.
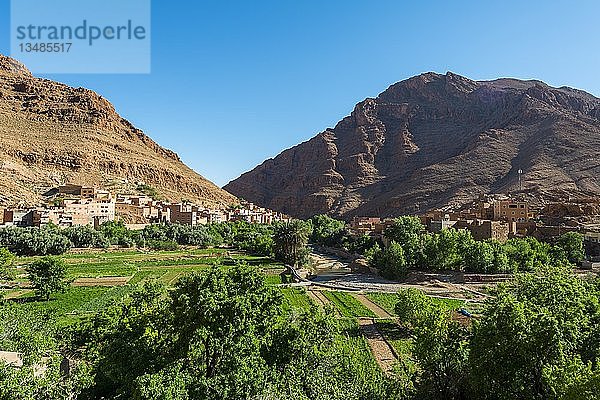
34 241
47 275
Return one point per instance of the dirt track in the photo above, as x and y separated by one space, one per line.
380 312
381 350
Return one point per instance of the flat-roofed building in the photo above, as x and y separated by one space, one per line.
511 210
485 229
591 241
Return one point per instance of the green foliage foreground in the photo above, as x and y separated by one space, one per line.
221 334
538 338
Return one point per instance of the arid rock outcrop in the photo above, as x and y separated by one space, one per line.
434 140
51 133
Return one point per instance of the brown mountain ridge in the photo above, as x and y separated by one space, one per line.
435 140
51 134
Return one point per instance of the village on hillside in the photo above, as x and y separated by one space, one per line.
76 205
498 217
502 217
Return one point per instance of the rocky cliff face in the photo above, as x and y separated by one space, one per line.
434 140
51 133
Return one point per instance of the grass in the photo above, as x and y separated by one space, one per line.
402 344
73 304
347 305
388 301
296 298
167 266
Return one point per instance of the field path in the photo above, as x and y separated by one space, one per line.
379 347
381 350
318 297
377 310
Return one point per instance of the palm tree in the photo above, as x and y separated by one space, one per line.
290 240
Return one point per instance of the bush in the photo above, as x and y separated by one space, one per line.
34 241
48 275
6 259
86 236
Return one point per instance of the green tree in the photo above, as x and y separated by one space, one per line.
446 249
407 231
289 242
440 346
86 236
34 241
501 262
6 260
222 326
527 254
326 230
33 334
254 238
390 262
412 306
536 335
441 349
48 276
479 257
571 245
117 233
128 340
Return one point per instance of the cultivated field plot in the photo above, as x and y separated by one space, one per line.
296 298
95 268
100 278
388 301
102 281
347 305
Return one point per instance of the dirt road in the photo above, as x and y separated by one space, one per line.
381 350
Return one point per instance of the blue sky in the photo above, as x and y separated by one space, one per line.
235 82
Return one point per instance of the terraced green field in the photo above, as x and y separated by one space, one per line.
347 305
165 265
388 301
138 266
76 303
296 298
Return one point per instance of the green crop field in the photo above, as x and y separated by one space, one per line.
388 301
354 345
165 265
347 305
296 298
73 304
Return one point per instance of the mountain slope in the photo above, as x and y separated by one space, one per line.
51 133
434 140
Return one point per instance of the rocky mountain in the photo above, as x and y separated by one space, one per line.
51 134
435 140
